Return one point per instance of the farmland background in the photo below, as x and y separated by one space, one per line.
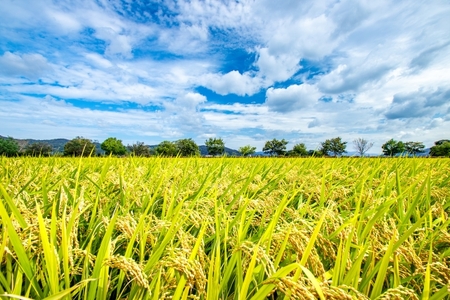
225 228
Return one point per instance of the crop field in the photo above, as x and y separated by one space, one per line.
224 228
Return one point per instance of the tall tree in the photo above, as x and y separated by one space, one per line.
215 146
334 146
139 149
79 146
38 149
275 147
187 147
166 148
393 147
440 148
413 148
247 150
113 146
299 150
9 147
362 145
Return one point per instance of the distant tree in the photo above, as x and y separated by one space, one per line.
113 146
414 147
139 149
166 148
9 147
38 149
393 147
441 148
187 147
275 147
79 146
334 146
315 153
247 150
299 150
215 146
362 146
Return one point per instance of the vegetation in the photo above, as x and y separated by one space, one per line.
38 149
441 148
157 228
166 149
299 150
393 147
413 148
362 146
79 146
8 147
247 150
334 146
215 146
187 148
113 146
139 149
275 147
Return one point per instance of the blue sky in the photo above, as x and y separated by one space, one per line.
245 71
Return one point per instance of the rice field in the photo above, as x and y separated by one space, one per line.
225 228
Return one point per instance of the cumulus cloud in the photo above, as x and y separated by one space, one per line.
294 97
232 83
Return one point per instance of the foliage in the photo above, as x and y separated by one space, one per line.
215 146
334 146
247 150
362 146
38 149
139 149
275 147
187 148
9 147
166 149
413 148
157 228
113 146
299 150
440 148
79 146
315 153
393 147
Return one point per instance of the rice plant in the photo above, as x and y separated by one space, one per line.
226 228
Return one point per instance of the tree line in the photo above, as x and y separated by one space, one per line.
334 147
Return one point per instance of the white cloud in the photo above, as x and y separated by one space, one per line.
292 98
232 83
31 66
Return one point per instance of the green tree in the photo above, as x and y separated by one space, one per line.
247 150
362 146
215 146
38 149
393 147
113 146
79 146
166 148
299 150
414 148
275 147
187 147
139 149
9 147
440 148
334 146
